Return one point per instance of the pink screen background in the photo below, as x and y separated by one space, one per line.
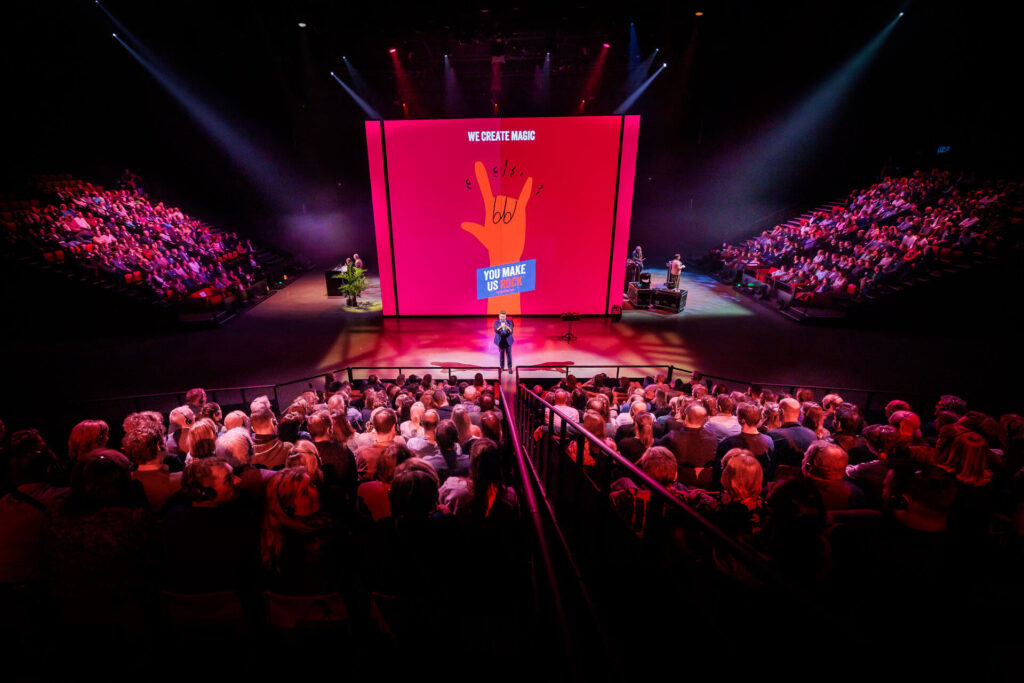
573 163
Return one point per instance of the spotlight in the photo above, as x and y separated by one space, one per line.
114 34
664 65
302 24
606 45
332 73
699 14
901 14
393 50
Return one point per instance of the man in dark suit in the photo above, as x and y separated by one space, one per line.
503 329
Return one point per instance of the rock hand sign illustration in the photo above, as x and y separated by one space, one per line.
503 234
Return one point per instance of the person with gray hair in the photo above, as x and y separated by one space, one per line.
562 404
824 465
234 446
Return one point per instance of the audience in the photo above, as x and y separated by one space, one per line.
121 236
884 235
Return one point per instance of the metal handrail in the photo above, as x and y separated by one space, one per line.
760 568
528 477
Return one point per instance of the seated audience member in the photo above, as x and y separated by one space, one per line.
967 457
631 499
212 411
469 397
693 446
724 423
467 430
412 427
633 444
338 461
486 402
210 533
771 417
814 419
824 465
195 399
32 473
235 447
894 405
908 426
593 424
426 444
869 476
414 493
269 452
385 423
791 439
795 532
202 440
450 461
145 447
490 428
306 455
290 427
484 493
180 421
299 547
737 508
846 433
87 436
749 439
372 494
97 548
237 418
563 406
829 404
444 410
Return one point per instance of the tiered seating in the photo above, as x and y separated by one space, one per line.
897 234
120 240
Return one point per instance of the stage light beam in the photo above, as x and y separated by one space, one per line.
635 95
370 112
270 177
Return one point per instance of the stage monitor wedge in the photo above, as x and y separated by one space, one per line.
526 215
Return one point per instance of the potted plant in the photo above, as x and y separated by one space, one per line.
353 282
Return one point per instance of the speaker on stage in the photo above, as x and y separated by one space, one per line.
645 280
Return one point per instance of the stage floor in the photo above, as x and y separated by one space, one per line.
300 331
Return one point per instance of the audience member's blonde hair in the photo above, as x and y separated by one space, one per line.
305 454
742 476
204 430
236 419
181 417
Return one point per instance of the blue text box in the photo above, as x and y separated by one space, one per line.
507 278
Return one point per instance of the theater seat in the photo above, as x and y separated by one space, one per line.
219 610
306 611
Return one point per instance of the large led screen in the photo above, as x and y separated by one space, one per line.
525 215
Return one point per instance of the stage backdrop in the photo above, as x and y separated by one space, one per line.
526 215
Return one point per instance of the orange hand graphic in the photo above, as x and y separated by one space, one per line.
503 233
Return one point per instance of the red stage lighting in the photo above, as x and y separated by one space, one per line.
606 45
393 50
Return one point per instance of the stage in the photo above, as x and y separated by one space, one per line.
300 332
